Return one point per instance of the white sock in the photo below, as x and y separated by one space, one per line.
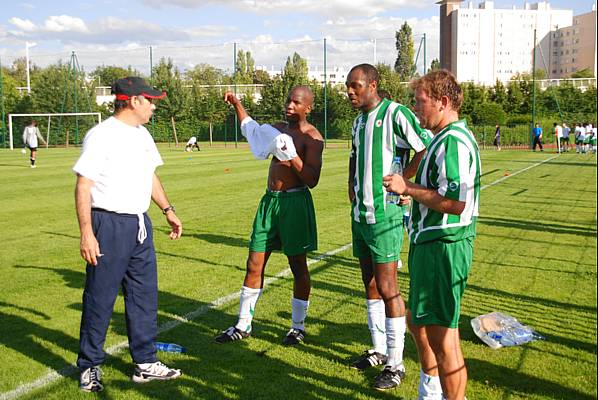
377 324
395 341
429 387
299 313
249 297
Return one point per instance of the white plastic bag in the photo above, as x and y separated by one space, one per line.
498 330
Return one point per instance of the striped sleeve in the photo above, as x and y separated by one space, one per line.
409 133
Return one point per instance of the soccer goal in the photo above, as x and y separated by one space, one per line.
58 128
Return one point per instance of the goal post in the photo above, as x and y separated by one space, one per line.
49 116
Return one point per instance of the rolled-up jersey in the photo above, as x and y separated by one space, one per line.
377 138
452 167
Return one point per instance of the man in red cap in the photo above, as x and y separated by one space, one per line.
114 187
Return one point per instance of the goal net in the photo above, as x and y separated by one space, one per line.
57 129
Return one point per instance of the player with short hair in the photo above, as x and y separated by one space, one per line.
377 226
446 195
285 219
565 139
30 135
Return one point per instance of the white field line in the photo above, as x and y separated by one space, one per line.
517 173
54 375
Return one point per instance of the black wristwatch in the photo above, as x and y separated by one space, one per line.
169 208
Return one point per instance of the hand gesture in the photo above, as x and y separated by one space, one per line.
90 249
230 98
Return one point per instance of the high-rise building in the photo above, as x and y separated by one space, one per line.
489 44
573 48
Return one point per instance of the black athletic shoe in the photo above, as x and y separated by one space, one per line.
370 358
389 379
295 336
155 372
231 334
91 380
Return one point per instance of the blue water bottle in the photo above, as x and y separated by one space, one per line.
395 168
170 347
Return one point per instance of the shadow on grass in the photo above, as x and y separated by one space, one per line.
537 226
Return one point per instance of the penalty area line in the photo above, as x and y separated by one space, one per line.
54 375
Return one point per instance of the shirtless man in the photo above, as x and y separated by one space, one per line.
285 219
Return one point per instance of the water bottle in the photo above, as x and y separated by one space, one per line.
170 347
395 168
406 217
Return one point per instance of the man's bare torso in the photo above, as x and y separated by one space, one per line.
281 176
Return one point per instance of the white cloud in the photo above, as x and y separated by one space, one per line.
64 23
22 24
27 6
317 7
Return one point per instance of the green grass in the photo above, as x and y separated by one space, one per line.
535 258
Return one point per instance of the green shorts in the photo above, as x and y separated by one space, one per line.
285 221
381 241
437 279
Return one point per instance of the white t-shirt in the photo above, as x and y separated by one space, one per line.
121 160
192 140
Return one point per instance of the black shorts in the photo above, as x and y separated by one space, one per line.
565 140
32 148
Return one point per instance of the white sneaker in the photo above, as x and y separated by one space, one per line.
33 166
154 371
91 380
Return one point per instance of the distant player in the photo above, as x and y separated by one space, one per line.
285 219
192 144
565 140
30 135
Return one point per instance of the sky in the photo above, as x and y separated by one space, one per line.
192 32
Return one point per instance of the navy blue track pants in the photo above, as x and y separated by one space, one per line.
128 264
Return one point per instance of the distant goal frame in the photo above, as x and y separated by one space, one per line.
49 115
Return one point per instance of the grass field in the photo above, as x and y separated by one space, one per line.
535 258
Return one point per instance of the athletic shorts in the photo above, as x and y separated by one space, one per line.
437 278
32 148
381 242
285 221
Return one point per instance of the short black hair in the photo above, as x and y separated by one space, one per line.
120 105
371 73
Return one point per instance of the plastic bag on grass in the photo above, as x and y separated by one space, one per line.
499 330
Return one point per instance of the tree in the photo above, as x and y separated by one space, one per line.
391 82
167 77
584 73
205 74
244 68
404 65
107 75
434 65
488 114
295 72
473 96
261 77
498 93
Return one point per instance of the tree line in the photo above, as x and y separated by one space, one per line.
194 105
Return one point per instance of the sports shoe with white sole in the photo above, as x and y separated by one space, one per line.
369 358
154 372
231 334
293 337
389 379
91 380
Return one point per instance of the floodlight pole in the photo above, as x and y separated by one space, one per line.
533 90
235 86
27 46
325 99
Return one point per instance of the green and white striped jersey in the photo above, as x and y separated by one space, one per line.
376 137
451 166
